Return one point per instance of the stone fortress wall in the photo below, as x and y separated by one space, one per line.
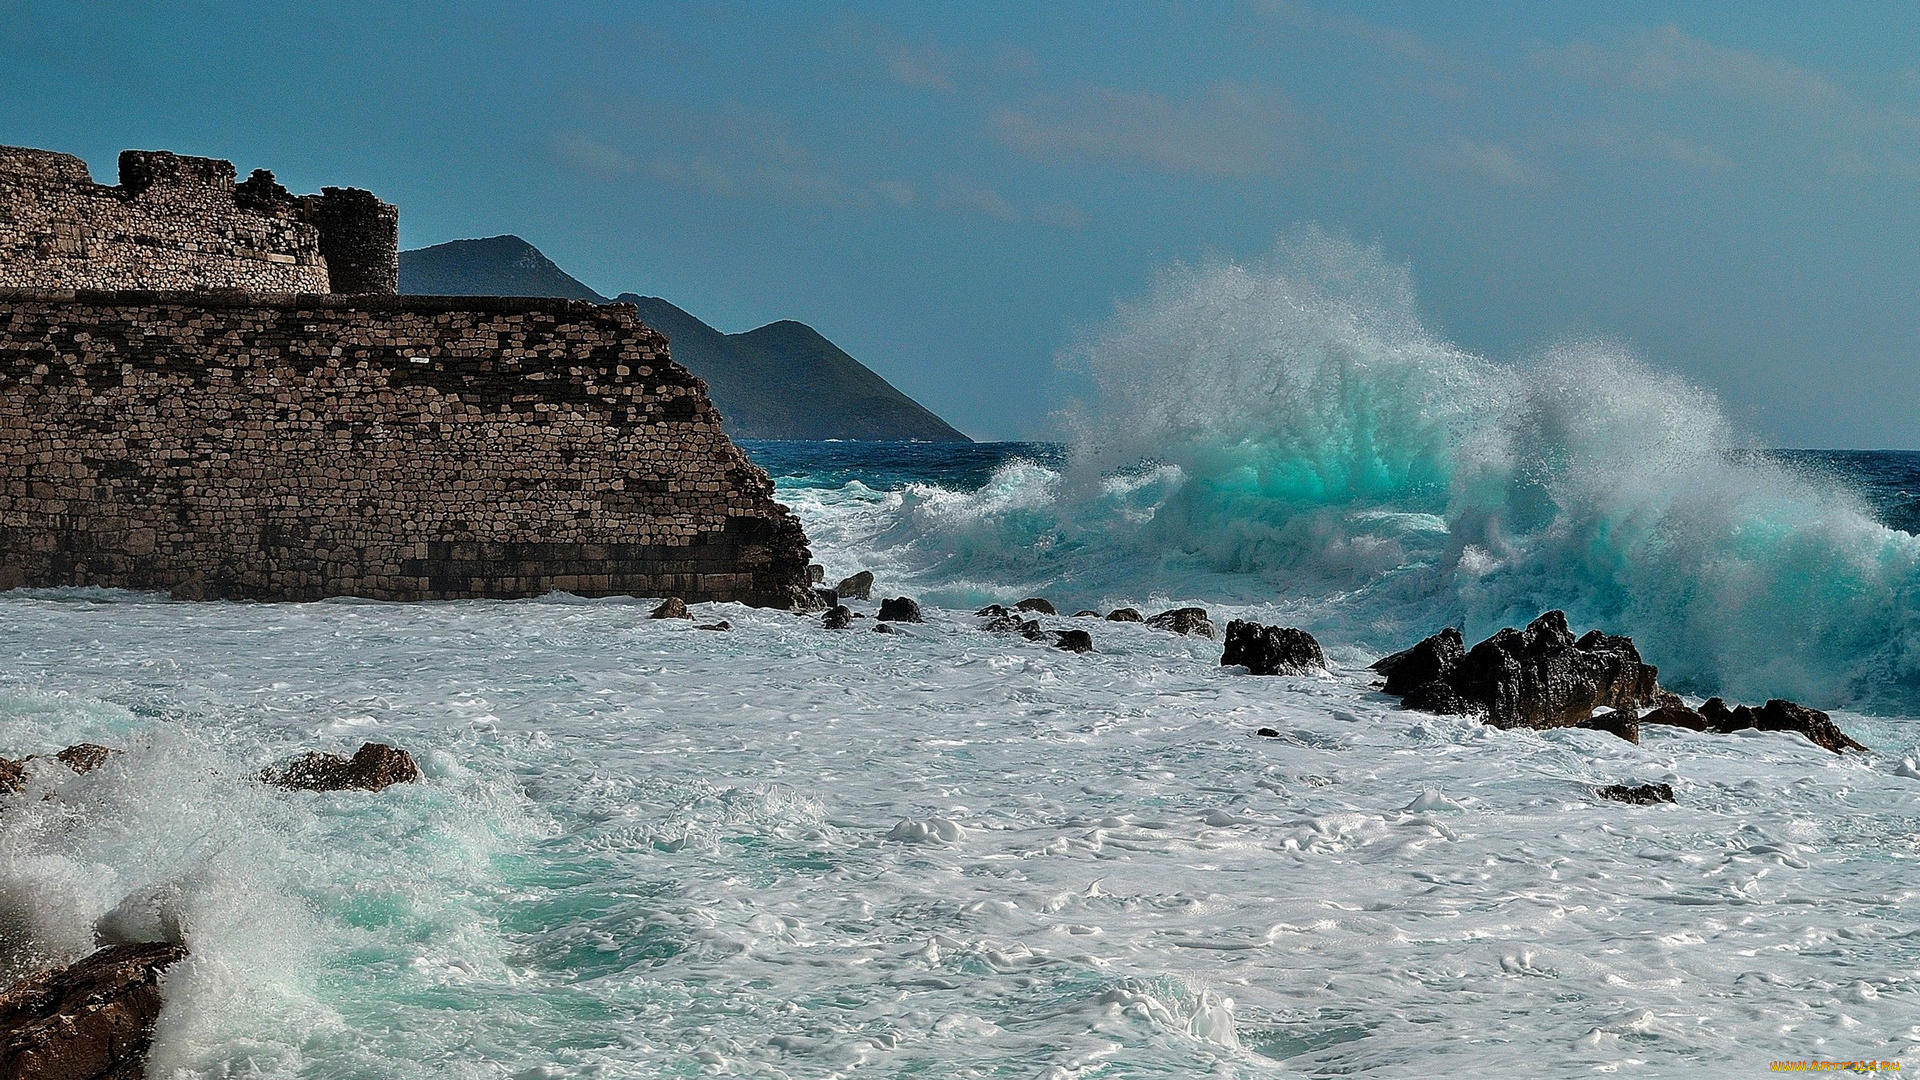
177 222
229 440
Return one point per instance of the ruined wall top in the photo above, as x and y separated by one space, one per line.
179 222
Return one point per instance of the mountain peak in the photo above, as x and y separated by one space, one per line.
783 380
495 266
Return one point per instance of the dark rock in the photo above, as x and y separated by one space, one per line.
672 608
1780 715
900 609
827 597
1616 722
992 611
12 775
193 589
1644 795
721 625
1125 614
838 617
1004 624
84 757
1086 614
1073 641
1676 716
1186 620
1272 650
816 573
373 766
1540 677
857 587
1031 630
883 628
1035 603
1267 733
92 1020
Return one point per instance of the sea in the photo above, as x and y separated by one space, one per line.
642 849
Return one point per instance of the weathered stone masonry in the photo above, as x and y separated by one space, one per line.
177 222
300 446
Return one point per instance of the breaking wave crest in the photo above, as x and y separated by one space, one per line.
1289 434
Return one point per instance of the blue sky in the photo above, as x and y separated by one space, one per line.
954 192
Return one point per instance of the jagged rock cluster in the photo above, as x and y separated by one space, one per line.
1543 677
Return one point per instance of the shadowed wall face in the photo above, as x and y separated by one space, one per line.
295 447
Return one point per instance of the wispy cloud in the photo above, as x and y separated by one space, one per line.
1230 130
922 67
1493 162
1777 108
1667 60
1630 142
751 156
594 158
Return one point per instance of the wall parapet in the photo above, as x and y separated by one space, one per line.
180 222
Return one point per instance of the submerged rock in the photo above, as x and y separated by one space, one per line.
1186 620
1272 650
900 609
827 597
992 611
1776 715
838 617
1125 614
1267 733
1004 623
1644 795
672 608
1539 677
883 628
84 757
92 1020
1036 604
721 625
1617 722
373 767
80 757
1073 641
857 587
1088 613
1031 630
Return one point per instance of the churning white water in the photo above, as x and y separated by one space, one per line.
646 850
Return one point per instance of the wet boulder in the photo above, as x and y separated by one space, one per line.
837 617
1619 723
672 608
827 597
1037 604
1004 623
1643 795
884 628
992 611
1032 631
1087 613
80 757
1125 614
1272 650
92 1020
1186 620
1776 715
900 609
373 767
721 625
857 587
1539 677
1073 641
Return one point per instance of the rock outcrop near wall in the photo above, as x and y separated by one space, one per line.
299 446
177 222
